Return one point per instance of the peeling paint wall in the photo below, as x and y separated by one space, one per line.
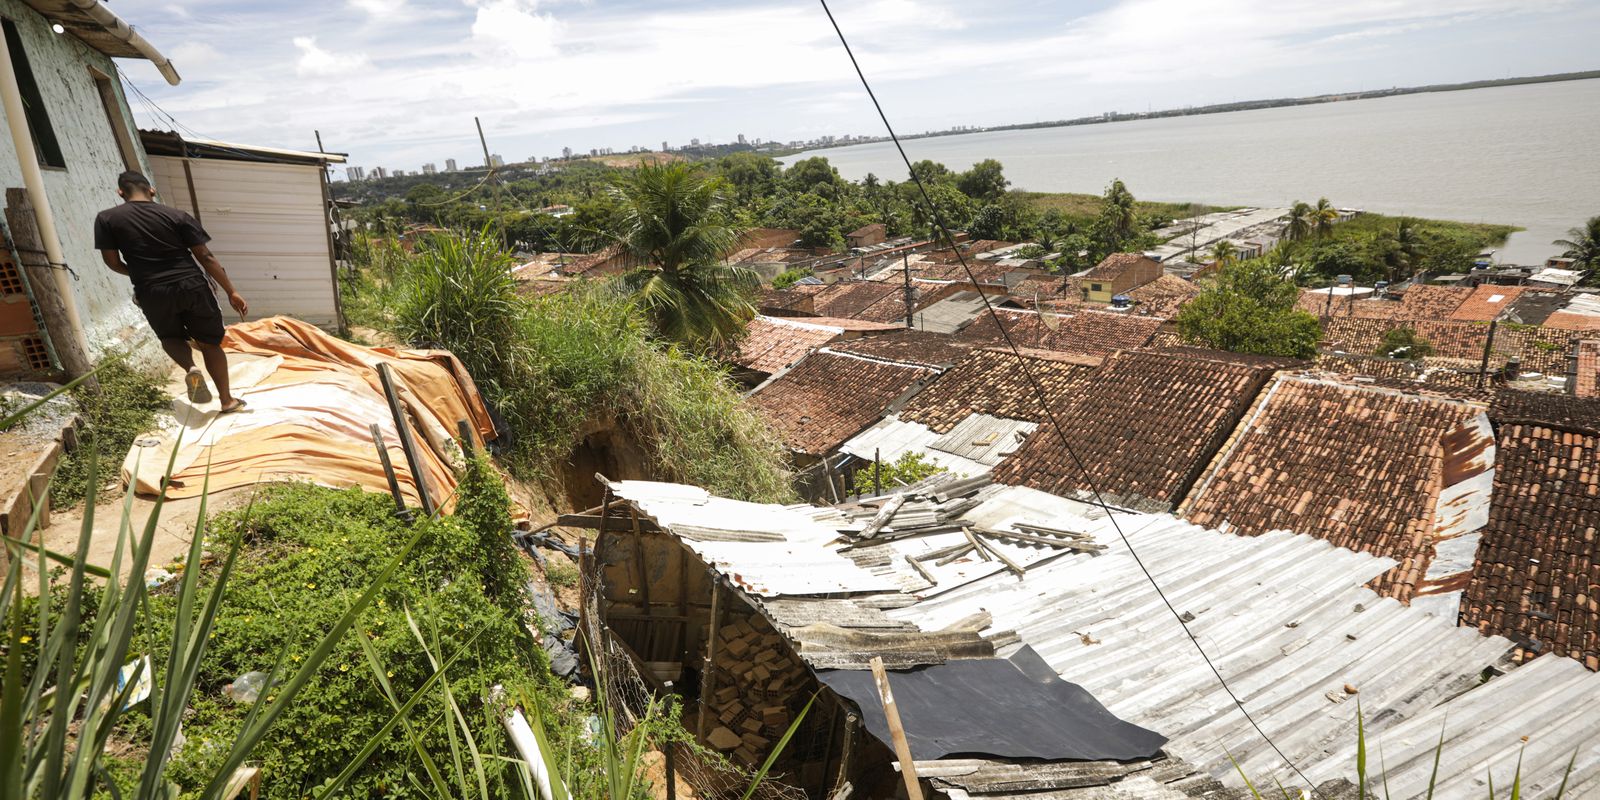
61 67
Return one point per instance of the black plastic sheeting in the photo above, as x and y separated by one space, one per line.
1001 708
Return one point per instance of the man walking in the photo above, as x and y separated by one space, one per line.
163 250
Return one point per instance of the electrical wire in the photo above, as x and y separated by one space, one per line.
1044 405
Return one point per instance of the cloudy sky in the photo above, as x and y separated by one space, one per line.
397 82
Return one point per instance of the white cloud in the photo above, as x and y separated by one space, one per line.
317 62
195 54
512 28
380 8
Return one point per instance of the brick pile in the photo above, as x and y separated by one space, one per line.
757 679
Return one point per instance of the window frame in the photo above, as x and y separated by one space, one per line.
46 145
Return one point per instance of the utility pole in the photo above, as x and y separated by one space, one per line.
905 270
1488 347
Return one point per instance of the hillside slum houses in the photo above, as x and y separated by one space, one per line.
1413 534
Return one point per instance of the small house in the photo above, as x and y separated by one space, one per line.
1118 274
267 210
867 235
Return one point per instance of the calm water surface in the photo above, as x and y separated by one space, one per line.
1521 155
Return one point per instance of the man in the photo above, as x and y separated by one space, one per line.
163 250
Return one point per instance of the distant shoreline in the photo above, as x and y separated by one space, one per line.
1216 108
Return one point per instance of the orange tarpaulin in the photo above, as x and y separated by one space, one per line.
311 399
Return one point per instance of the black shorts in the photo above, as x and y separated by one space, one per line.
183 309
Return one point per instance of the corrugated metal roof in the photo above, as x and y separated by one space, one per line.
893 437
1287 619
984 439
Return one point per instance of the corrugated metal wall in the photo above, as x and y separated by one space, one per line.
267 227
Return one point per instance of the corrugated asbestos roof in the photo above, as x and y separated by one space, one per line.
1287 618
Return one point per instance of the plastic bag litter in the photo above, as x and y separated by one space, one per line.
247 687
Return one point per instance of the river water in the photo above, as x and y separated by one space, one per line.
1521 155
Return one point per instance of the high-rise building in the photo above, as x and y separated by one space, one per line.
354 174
566 152
429 168
741 138
694 142
664 147
399 173
379 173
449 165
496 161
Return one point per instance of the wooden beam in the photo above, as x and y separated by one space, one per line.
884 515
897 732
592 522
708 672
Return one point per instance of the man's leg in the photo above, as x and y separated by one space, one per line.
217 367
178 350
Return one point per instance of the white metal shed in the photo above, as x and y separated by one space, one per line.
267 213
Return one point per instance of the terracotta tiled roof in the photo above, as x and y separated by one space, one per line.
1486 302
1316 303
968 249
1573 321
1449 339
606 262
828 398
991 381
1112 266
1433 302
1410 376
859 325
772 343
1359 467
891 306
1588 384
795 298
1095 333
1551 410
1145 425
850 298
1162 297
922 348
1537 574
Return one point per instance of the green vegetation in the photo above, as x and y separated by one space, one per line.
1249 307
903 471
555 366
1374 247
1403 343
1582 245
674 225
114 413
790 277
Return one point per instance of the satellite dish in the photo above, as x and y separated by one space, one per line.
1050 319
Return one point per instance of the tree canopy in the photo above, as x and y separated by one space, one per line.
1249 307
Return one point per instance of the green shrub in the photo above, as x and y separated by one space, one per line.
122 407
903 471
308 552
790 277
1403 343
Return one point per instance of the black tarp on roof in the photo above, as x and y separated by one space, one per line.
1002 708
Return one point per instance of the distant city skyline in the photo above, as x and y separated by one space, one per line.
399 81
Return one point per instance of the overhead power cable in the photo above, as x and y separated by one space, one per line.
1044 405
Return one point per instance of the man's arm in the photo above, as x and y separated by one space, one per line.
213 267
113 260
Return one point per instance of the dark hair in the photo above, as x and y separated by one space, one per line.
130 182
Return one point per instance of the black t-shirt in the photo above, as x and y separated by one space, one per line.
154 240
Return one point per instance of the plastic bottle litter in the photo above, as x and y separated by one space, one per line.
247 687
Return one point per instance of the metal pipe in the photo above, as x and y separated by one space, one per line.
117 28
33 180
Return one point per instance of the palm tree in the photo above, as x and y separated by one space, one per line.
1583 245
1323 215
674 229
1299 226
1224 253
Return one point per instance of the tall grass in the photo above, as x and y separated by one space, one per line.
557 366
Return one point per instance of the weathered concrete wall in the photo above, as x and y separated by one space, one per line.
61 66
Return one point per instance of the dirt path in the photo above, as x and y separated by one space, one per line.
174 530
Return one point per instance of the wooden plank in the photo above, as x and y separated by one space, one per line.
995 551
592 522
708 677
897 732
884 515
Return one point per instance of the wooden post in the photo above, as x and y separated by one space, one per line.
683 605
407 446
400 509
34 266
708 679
911 305
902 748
877 470
39 491
847 758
